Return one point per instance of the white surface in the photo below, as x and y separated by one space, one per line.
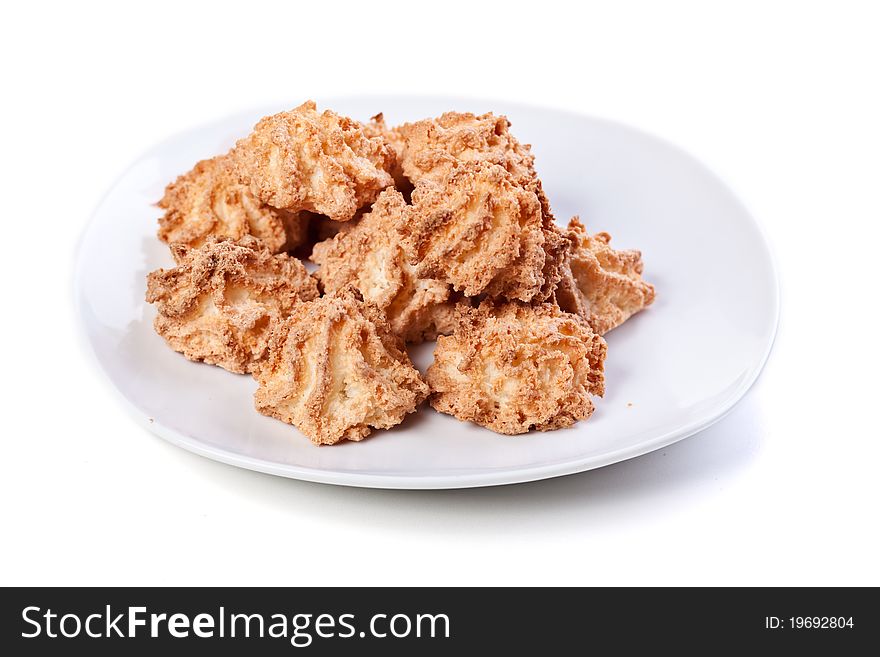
672 370
780 99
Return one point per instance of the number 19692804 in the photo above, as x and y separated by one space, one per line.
809 622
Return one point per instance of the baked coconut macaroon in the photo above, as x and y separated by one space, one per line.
431 148
336 371
599 283
316 161
209 201
220 302
514 367
373 258
479 231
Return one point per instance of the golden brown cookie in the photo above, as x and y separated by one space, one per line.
319 162
220 302
336 371
209 201
430 148
602 285
372 257
479 231
515 367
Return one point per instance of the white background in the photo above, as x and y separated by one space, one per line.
781 99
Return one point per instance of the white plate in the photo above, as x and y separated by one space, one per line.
671 371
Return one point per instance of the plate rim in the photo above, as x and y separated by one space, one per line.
502 477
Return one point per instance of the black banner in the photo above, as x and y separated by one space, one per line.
432 621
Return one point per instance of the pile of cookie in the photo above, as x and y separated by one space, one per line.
433 230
